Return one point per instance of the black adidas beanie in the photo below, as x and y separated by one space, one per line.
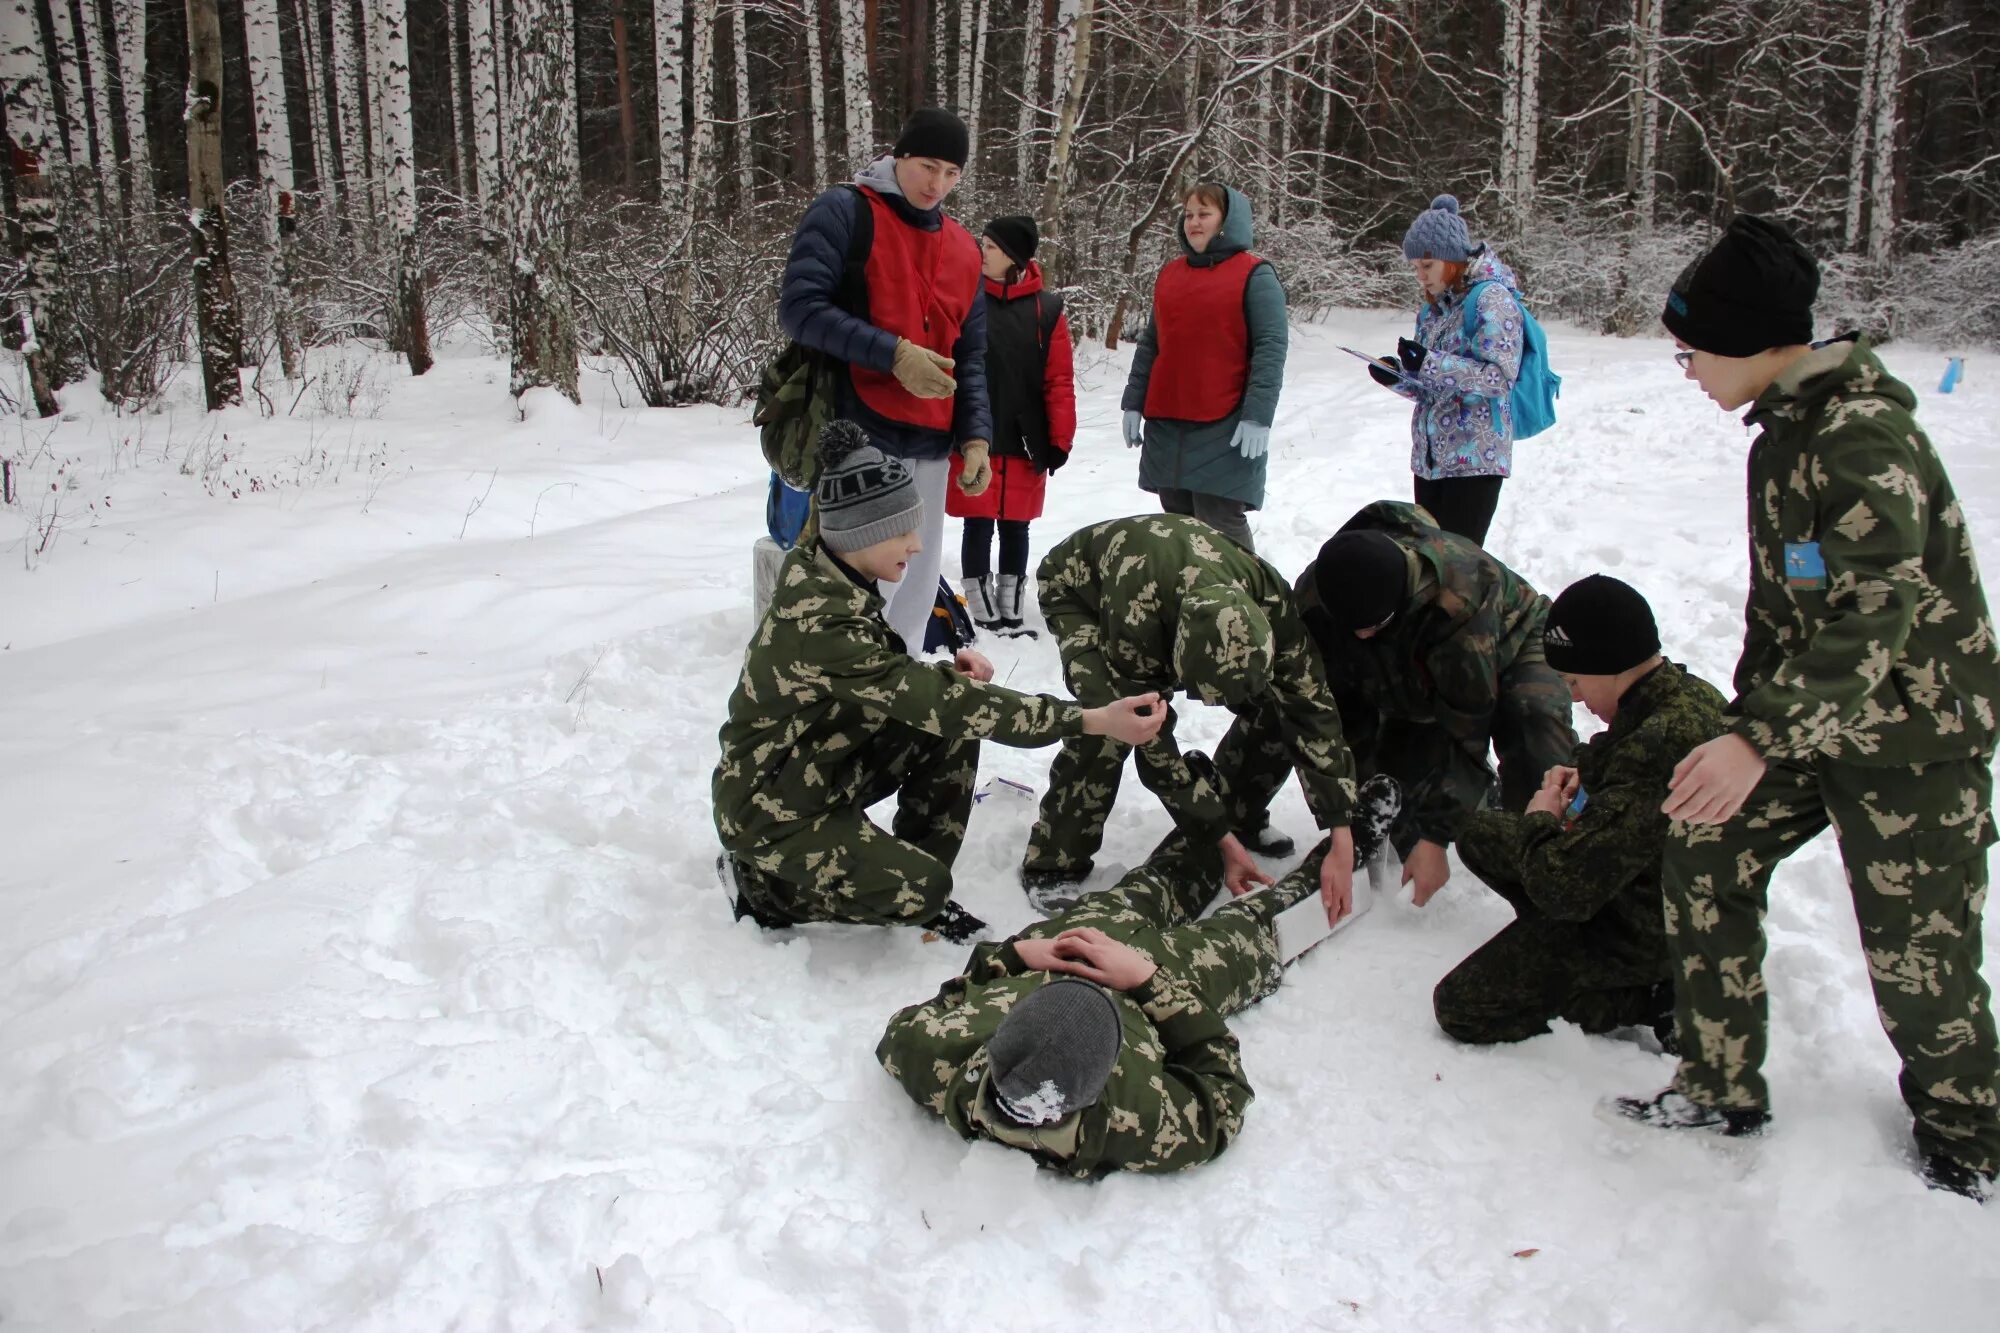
934 132
1017 235
1752 291
1600 626
1362 578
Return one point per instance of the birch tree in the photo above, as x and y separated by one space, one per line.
274 169
1642 156
399 176
815 91
74 117
1072 72
218 322
1520 105
1888 126
1031 98
970 111
739 52
96 74
542 321
701 61
1864 122
483 55
461 138
667 15
312 47
129 26
856 100
31 125
347 83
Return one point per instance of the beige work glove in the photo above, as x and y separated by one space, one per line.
923 372
977 474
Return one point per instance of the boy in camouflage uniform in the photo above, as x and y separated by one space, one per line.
1434 652
831 715
1581 866
1096 1040
1864 700
1160 603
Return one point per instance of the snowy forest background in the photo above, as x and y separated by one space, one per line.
250 178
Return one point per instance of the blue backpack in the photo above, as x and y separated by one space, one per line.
1537 387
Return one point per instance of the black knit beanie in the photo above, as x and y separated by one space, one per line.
1017 235
1362 578
1751 292
934 132
1600 626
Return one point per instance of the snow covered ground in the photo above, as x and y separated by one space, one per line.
364 966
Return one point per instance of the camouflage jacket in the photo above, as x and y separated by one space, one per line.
823 672
1866 634
1420 695
1175 1098
1600 859
1113 593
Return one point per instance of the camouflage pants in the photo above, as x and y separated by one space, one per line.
1914 842
841 866
1230 956
1538 969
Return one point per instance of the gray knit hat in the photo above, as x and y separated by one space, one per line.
1054 1051
1438 233
863 495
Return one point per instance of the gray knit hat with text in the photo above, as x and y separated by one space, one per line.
1438 233
863 495
1053 1052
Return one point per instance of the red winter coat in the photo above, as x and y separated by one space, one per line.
1032 392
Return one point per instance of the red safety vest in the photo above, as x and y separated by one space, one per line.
921 285
1203 365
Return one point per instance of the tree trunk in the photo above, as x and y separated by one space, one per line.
461 142
129 23
543 321
856 100
816 93
274 168
701 173
1031 98
375 56
746 180
1072 72
940 53
628 124
981 22
1888 128
31 124
1510 106
305 20
1529 138
217 320
74 110
667 16
1864 120
348 77
483 57
400 179
1642 175
97 79
967 19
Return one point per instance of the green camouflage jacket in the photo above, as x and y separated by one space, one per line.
1600 859
1115 594
824 672
1420 695
1866 635
1175 1098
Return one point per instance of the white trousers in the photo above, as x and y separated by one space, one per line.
910 602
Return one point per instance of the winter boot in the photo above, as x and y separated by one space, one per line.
1265 840
1948 1173
1669 1109
1662 1005
740 904
979 598
1376 806
1012 588
955 925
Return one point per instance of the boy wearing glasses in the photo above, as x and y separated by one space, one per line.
1865 700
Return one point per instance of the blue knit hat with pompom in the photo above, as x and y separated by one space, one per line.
1438 233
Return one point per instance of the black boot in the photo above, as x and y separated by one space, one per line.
1376 807
956 925
1948 1173
740 904
1265 840
1662 1005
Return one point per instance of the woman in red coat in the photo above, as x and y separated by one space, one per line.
1030 385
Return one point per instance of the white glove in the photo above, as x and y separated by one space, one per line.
1135 430
1251 439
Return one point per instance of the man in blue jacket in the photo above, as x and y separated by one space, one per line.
880 279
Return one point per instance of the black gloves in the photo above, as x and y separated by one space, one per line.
1381 374
1048 458
1411 354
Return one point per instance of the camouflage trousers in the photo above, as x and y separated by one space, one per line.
842 866
1230 956
1914 842
1538 968
1087 772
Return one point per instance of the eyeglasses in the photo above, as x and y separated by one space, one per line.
1685 360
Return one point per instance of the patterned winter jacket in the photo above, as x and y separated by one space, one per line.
1115 596
1420 696
823 673
1463 425
1866 635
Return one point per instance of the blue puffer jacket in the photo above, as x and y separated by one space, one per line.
807 310
1463 425
1197 455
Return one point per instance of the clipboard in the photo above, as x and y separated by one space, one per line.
1380 364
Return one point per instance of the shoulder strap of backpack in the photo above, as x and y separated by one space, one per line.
853 293
1472 304
1048 309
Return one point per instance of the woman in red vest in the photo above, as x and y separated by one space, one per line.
1205 377
1030 387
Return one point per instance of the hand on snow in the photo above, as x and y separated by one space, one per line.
1090 953
1251 439
1384 374
1135 430
923 372
973 664
977 473
1336 876
1411 354
1239 872
1133 721
1427 869
1711 784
